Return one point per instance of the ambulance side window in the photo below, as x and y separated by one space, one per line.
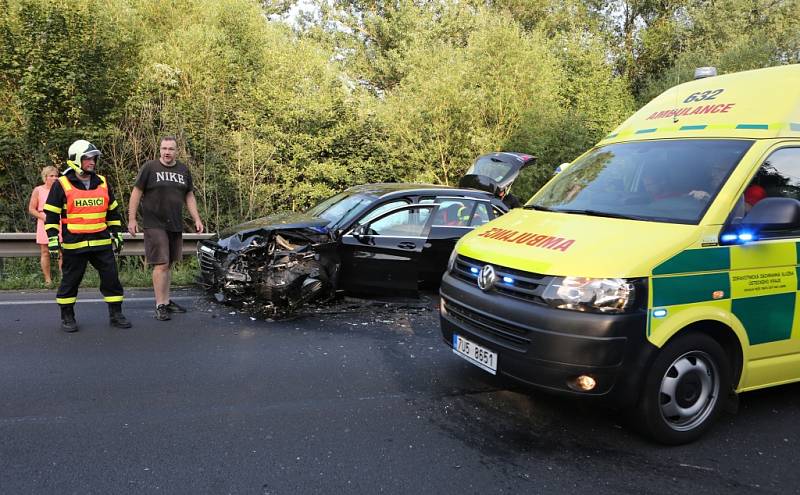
778 177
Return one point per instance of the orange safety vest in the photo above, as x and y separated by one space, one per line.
85 209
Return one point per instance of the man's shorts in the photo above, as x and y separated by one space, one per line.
161 246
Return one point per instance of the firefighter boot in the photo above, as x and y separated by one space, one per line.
115 316
68 323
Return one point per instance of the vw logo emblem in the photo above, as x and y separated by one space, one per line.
486 278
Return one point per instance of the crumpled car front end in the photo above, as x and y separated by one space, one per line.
277 267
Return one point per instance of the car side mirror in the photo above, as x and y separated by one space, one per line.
361 233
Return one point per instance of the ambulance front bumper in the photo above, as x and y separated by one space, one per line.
548 348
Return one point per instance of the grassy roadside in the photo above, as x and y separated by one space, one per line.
25 273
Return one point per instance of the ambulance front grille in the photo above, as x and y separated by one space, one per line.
510 282
511 335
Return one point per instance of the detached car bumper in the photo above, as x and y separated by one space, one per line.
548 348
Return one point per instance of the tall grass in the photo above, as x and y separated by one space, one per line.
24 273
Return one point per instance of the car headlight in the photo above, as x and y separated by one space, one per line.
599 295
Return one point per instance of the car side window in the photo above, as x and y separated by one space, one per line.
454 212
778 177
481 215
406 223
381 210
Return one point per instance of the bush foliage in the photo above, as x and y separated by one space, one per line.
275 110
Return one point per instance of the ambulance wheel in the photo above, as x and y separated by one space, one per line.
683 390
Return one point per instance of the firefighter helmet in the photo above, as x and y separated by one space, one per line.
79 150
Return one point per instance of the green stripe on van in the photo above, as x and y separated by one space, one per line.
696 260
794 127
668 291
797 250
766 318
646 131
692 127
763 127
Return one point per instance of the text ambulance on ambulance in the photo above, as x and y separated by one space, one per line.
658 271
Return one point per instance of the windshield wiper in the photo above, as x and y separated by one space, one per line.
597 213
537 207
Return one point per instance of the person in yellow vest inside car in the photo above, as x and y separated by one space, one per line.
82 207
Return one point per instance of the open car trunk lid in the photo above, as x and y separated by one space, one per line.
495 172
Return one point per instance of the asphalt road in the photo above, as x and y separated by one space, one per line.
356 398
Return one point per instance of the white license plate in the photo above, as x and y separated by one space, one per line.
475 354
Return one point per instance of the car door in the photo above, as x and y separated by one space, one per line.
382 255
455 217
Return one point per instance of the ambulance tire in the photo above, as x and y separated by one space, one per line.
684 390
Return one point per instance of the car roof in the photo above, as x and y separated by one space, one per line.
384 190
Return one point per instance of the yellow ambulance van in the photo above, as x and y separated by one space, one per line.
658 271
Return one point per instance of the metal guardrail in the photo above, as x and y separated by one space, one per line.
23 245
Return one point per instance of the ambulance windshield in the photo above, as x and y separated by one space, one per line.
666 181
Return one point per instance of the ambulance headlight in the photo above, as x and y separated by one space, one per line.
451 263
598 295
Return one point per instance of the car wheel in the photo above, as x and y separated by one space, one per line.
683 390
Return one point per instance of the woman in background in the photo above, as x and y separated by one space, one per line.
36 208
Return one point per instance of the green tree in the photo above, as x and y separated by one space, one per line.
65 72
267 120
732 35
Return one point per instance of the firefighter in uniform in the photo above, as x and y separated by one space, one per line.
82 206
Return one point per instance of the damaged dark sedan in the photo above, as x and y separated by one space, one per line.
370 239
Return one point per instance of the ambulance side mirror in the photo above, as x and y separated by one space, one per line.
768 215
774 214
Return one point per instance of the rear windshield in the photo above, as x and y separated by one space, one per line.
490 166
664 181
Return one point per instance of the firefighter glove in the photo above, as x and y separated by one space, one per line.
116 240
52 246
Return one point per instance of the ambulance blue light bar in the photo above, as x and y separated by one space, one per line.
737 237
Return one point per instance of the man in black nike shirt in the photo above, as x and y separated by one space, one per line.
163 186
